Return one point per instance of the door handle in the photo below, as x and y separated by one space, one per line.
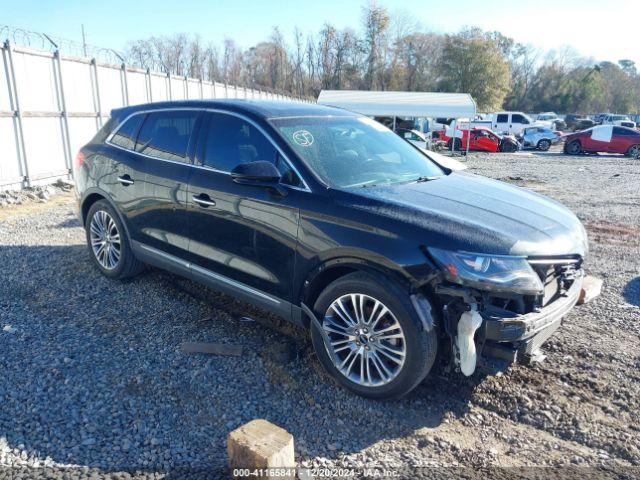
203 200
125 180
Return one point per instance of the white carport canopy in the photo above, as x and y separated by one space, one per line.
401 104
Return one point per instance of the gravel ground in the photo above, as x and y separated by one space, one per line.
94 383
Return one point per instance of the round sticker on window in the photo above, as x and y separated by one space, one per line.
303 138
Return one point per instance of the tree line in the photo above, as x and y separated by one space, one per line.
392 52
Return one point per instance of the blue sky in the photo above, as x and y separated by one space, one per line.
595 28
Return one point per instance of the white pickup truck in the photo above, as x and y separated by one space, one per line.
513 122
619 120
506 122
499 122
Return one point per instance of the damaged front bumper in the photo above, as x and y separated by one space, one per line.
506 337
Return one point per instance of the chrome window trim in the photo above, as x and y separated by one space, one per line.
209 273
304 188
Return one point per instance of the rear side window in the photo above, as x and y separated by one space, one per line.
125 137
502 118
623 131
230 141
166 134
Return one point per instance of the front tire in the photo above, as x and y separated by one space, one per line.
544 145
573 148
108 243
380 348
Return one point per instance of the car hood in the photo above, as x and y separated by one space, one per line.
463 211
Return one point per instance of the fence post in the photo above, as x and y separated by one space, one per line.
17 117
226 89
214 90
124 85
169 94
185 88
149 86
62 106
201 88
95 87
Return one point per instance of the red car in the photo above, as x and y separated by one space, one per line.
604 138
482 139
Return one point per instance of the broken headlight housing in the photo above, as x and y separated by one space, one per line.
495 273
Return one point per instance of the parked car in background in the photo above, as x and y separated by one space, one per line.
578 122
598 117
604 138
620 120
540 138
329 220
551 120
416 137
482 139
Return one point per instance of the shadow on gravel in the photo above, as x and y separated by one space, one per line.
631 292
93 374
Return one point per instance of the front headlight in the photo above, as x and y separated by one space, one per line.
498 273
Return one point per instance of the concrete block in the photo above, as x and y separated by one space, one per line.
260 444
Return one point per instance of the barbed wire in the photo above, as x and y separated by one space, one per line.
42 41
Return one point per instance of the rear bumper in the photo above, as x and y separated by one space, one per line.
511 337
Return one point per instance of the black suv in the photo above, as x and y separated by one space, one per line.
332 221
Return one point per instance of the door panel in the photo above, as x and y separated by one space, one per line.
158 219
246 233
159 170
249 235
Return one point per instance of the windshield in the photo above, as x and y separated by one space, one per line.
354 151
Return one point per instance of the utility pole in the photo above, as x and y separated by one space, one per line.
84 41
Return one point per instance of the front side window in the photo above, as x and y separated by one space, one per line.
231 140
517 118
125 137
354 151
166 134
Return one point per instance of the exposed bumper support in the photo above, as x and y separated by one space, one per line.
511 337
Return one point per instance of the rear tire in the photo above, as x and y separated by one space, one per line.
457 144
544 145
634 151
361 343
108 243
508 147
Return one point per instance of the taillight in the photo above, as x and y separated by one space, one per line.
79 160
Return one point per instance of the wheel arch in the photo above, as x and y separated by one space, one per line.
331 270
94 195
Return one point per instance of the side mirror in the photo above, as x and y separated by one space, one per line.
259 173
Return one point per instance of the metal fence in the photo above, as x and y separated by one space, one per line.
51 104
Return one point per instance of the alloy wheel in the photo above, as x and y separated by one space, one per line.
368 342
634 151
105 240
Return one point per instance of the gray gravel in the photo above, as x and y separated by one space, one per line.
93 379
